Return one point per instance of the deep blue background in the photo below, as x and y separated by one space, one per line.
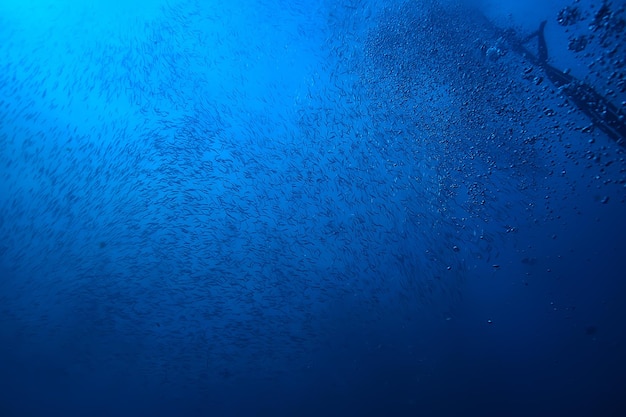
305 209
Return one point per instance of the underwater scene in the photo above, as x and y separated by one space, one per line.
312 208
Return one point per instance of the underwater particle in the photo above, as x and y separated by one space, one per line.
493 53
568 16
455 248
489 321
548 112
577 43
510 229
587 129
605 199
529 261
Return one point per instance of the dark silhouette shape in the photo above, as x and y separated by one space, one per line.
542 47
603 114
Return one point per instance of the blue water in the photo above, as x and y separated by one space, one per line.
290 208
